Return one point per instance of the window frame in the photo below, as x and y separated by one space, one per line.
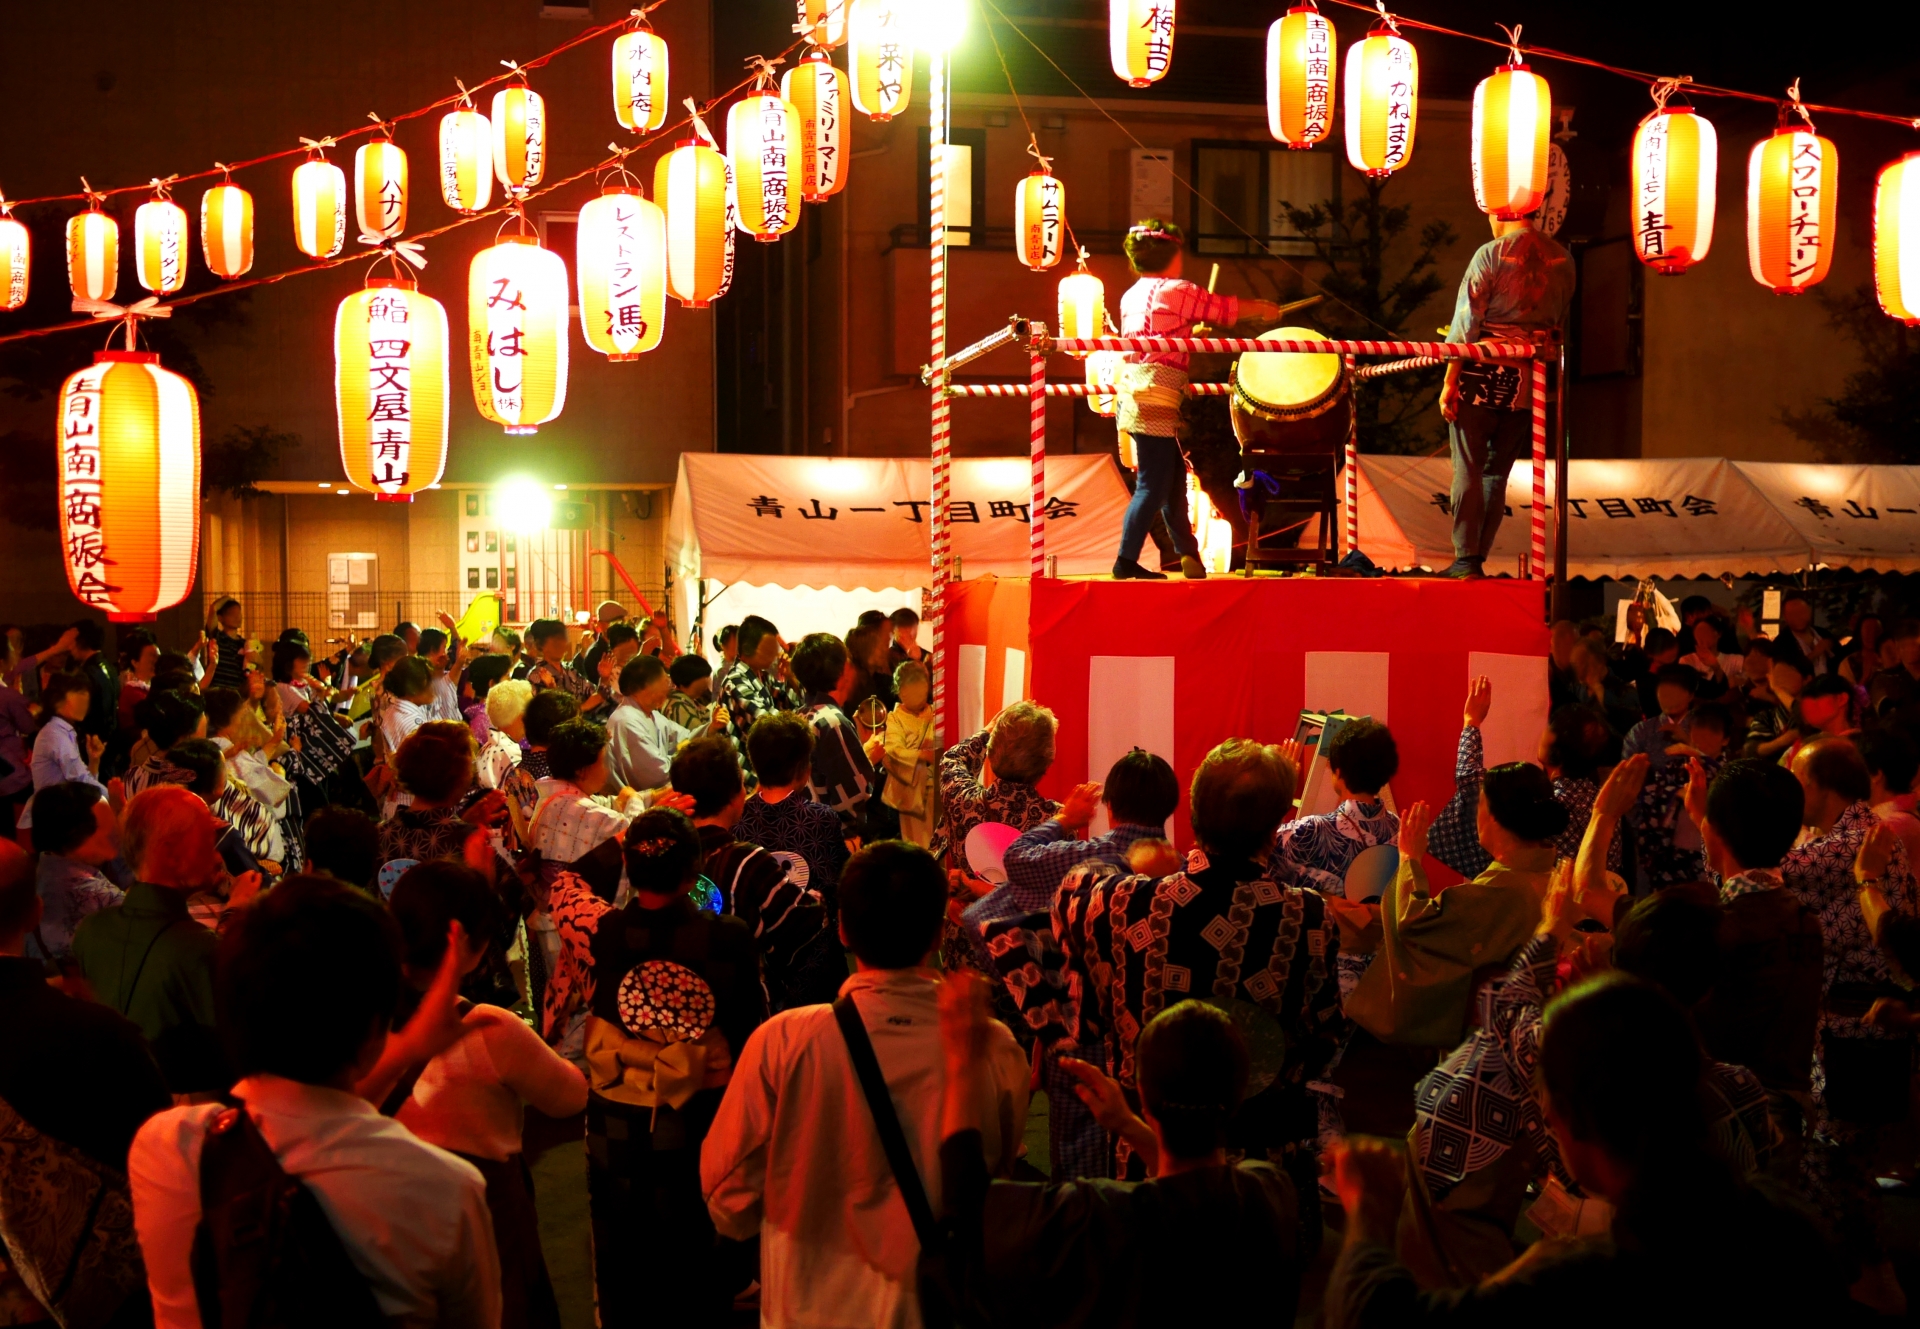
1266 243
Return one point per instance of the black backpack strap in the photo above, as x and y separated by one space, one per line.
892 1139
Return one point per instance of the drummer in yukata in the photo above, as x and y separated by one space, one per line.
1152 384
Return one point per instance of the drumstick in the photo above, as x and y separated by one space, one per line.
1201 329
1299 304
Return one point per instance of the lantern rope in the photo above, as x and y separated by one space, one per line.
1665 88
762 69
382 127
1392 23
1793 106
129 316
1033 151
1518 56
162 185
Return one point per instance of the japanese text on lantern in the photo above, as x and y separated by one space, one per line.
1399 104
640 81
1651 221
1319 68
820 140
506 334
774 194
891 64
536 141
389 390
1803 223
626 319
1046 228
1158 25
85 543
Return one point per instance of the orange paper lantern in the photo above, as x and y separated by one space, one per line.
621 266
1675 162
690 183
519 138
1793 187
16 249
160 245
822 22
763 133
319 208
818 92
880 57
517 302
1896 239
380 188
1300 76
1512 124
466 159
1140 40
1040 220
1383 101
640 81
226 230
93 255
390 388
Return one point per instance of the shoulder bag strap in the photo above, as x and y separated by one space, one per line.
887 1122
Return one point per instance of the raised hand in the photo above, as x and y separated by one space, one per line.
1082 802
1415 822
1696 801
1479 702
1623 786
1876 853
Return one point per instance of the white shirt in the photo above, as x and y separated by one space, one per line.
469 1097
640 746
413 1218
401 719
568 822
500 755
793 1154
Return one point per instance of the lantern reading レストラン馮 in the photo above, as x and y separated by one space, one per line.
1140 40
1675 164
1512 123
1383 101
640 81
517 333
466 159
319 208
16 251
226 230
621 263
879 57
1300 77
1040 220
391 388
519 138
690 183
1896 238
818 92
1793 185
763 130
822 22
380 188
160 245
1082 305
129 485
93 255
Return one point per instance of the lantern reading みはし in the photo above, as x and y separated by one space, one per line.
390 387
1083 305
690 183
640 81
380 188
1676 157
1300 77
880 57
1512 120
129 485
160 245
93 255
1040 220
818 93
1383 101
762 133
517 333
1140 40
466 160
621 264
226 230
1793 186
822 22
16 250
1896 238
319 208
519 138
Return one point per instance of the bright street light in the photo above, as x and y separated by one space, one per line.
524 504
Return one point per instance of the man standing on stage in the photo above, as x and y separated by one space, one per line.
1517 286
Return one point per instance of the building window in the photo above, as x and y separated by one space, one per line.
559 232
966 186
1244 190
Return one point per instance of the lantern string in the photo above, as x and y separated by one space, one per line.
1666 87
515 71
93 196
162 186
226 172
1392 23
1033 151
382 127
763 69
700 125
465 99
1513 41
1793 106
619 166
129 316
395 250
316 147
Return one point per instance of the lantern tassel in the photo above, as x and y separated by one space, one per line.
318 146
406 251
1033 151
700 125
1664 88
129 315
162 186
762 69
1513 41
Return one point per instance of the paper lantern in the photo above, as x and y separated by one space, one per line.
93 255
519 138
1512 123
880 56
517 302
466 160
1675 163
621 264
380 188
1140 40
818 92
160 245
822 22
1040 220
1383 101
1300 77
390 388
226 230
763 132
16 249
732 229
691 184
319 208
129 485
1083 305
1793 184
640 81
1103 371
1896 239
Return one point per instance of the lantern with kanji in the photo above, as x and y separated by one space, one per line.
640 80
16 250
1300 76
129 473
822 22
226 230
466 159
1040 219
1383 100
93 255
818 92
160 244
517 333
690 183
391 388
880 56
319 207
1896 238
1103 371
380 188
1140 40
1793 185
1083 304
1675 163
1512 125
763 131
621 265
519 138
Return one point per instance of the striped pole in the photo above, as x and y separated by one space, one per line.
1037 453
937 310
1352 466
1538 570
1070 390
1439 350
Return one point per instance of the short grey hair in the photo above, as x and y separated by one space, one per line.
1022 744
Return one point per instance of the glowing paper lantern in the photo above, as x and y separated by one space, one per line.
16 249
129 485
640 81
517 332
822 22
818 93
880 56
93 255
1040 220
1083 305
319 208
691 184
1140 39
519 138
621 265
466 160
160 245
1300 77
1383 101
1103 371
226 230
1793 184
763 132
390 387
1676 158
1512 120
380 188
1896 238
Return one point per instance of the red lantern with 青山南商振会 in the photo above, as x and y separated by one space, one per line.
1301 63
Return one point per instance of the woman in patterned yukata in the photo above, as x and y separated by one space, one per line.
1152 384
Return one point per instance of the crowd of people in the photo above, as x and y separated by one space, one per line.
290 943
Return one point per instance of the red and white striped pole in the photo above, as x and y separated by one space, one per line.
941 443
1352 463
1538 566
1037 453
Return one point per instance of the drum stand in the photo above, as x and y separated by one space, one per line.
1307 492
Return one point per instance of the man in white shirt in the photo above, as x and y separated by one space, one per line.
309 980
793 1155
640 740
578 811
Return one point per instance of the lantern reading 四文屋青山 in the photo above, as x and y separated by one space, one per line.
466 158
1675 165
517 302
690 183
1300 76
818 93
1383 100
1512 125
380 188
1040 219
640 80
1082 305
1793 187
519 123
1140 40
880 57
763 130
391 388
93 254
1896 238
620 261
226 230
822 22
16 252
319 207
129 485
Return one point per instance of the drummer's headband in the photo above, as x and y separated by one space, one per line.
1153 230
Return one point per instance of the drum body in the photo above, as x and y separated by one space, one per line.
1291 403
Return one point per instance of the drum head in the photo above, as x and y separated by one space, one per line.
1285 381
